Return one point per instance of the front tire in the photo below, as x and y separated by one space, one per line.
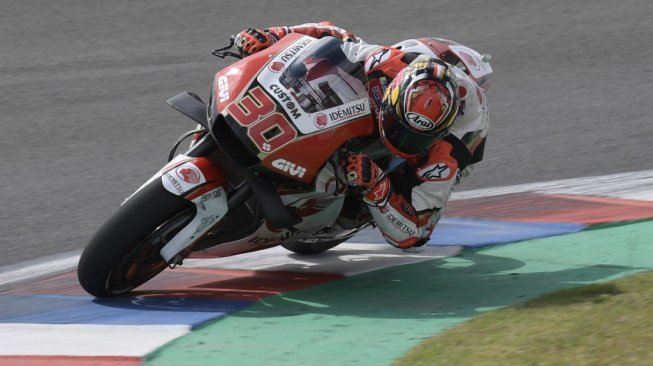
124 253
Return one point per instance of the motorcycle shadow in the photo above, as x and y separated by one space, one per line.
450 287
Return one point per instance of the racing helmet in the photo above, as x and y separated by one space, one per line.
418 107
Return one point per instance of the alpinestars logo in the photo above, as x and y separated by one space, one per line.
435 172
377 58
290 168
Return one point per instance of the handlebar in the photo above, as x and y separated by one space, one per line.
223 52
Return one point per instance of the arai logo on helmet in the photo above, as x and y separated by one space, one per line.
419 121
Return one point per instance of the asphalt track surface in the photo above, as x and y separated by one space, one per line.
83 84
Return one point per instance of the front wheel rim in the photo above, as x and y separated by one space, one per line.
145 262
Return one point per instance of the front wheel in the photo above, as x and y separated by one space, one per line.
124 253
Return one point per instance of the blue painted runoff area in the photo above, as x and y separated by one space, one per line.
62 309
480 232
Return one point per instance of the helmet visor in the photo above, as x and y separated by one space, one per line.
403 138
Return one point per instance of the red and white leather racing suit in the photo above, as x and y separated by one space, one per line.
407 211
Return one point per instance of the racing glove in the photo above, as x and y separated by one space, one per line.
252 40
362 172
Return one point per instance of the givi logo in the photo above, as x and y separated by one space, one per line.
290 168
223 88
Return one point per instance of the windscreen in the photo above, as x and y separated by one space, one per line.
323 78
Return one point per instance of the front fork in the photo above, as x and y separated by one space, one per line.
199 180
207 193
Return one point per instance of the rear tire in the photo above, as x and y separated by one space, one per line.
124 253
311 248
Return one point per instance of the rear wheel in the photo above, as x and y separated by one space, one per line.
124 253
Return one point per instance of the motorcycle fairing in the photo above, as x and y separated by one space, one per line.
318 88
191 106
210 208
191 173
311 151
179 159
305 102
318 209
183 178
232 82
316 133
200 181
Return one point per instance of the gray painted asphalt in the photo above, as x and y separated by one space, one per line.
83 84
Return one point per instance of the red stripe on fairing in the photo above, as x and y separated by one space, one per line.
211 170
68 361
535 207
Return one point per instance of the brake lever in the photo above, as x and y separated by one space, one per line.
222 52
395 163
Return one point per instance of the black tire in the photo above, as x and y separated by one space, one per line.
124 253
304 248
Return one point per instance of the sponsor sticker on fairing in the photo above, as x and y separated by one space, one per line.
276 66
205 223
283 96
223 88
216 193
291 52
289 168
347 112
304 121
188 174
321 120
283 59
183 178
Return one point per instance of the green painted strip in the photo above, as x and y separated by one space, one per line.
373 318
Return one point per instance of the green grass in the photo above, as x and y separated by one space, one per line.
600 324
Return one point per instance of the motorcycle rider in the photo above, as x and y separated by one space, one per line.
429 113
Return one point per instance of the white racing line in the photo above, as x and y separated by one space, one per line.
86 339
38 268
634 185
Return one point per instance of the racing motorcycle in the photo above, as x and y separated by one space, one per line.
263 168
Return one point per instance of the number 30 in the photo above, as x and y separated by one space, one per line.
268 129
